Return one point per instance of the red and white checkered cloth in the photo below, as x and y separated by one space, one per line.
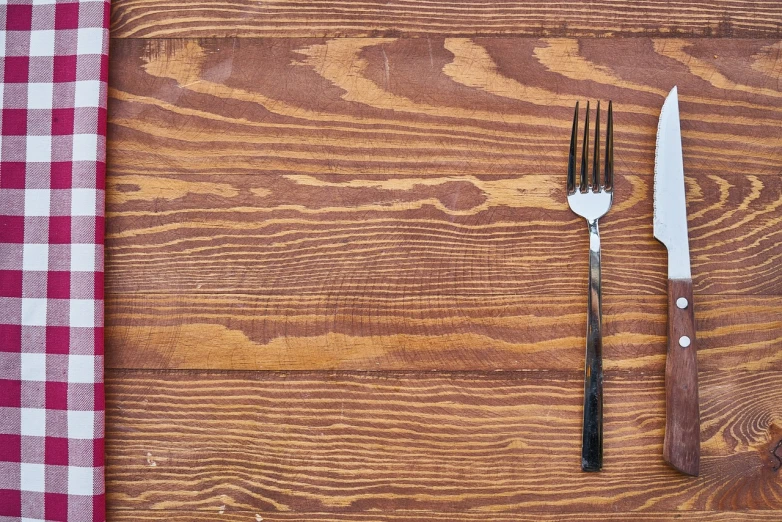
54 63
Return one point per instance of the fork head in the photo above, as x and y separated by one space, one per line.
592 196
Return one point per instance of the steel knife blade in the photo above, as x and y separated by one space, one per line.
681 446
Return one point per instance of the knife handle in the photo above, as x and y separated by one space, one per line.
682 444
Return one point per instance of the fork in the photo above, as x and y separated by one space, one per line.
591 200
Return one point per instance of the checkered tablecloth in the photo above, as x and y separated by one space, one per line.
52 169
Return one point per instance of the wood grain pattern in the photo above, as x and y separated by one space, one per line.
378 182
243 332
285 18
417 237
434 108
250 516
486 443
397 204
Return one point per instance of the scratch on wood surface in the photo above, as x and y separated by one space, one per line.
386 67
767 62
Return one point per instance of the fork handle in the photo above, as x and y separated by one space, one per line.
592 434
681 446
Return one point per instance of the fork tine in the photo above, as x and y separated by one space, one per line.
571 164
596 156
608 178
584 185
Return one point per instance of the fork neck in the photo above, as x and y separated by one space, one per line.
594 236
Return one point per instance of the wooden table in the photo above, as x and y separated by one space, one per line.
343 282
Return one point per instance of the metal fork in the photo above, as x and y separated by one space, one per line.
591 200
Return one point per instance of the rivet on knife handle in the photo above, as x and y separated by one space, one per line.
681 447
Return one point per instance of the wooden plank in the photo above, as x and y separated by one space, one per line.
286 332
445 107
228 515
424 237
286 18
433 442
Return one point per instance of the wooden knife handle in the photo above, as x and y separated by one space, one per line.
682 444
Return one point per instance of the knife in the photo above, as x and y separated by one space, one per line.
681 446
